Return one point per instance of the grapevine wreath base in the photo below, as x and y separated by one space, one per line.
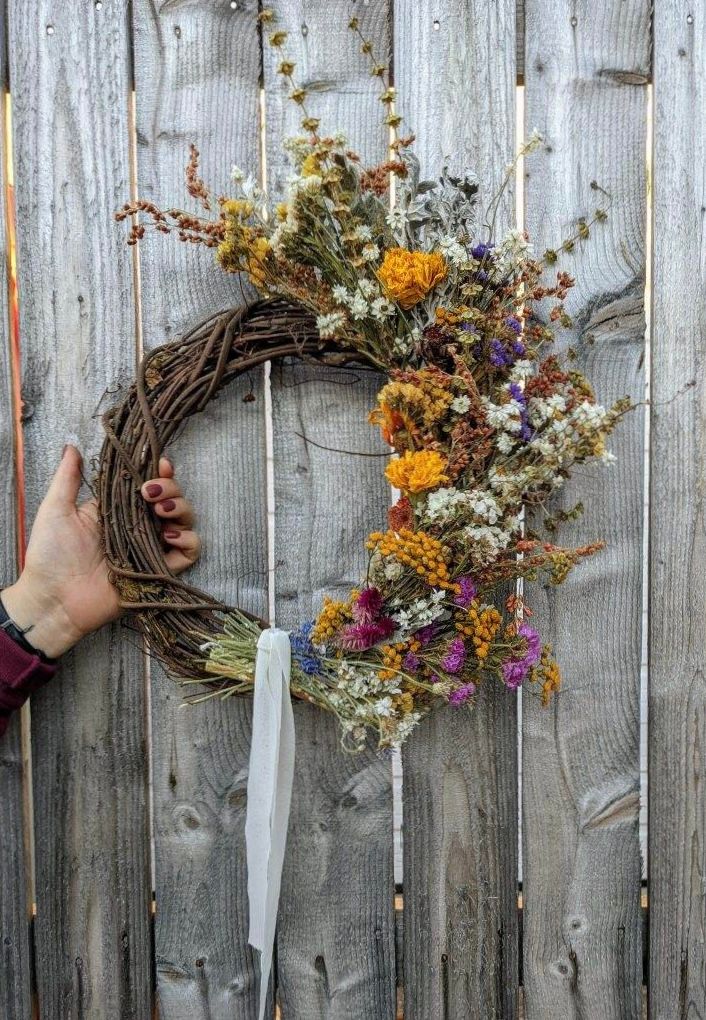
173 383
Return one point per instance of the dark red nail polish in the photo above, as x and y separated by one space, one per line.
168 504
171 534
154 490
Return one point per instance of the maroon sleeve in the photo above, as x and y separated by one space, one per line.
20 675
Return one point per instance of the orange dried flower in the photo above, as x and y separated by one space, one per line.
417 472
408 276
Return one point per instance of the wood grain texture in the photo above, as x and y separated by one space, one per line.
336 952
15 977
585 73
70 90
197 70
460 769
336 936
677 691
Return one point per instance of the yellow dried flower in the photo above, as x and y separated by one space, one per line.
310 123
266 16
311 165
238 207
417 551
286 68
278 39
408 276
259 251
417 472
333 616
298 95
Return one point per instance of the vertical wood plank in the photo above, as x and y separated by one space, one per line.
677 693
586 70
336 955
15 978
455 71
70 86
197 69
336 923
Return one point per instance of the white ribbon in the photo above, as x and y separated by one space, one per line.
270 777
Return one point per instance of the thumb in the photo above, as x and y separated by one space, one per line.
65 484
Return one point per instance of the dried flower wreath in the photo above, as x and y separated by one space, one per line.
483 421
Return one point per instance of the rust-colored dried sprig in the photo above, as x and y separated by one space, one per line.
377 178
195 185
188 227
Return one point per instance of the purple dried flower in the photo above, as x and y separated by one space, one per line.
514 323
517 394
534 642
498 355
468 592
515 670
461 695
514 673
411 662
367 606
481 250
518 349
455 657
426 634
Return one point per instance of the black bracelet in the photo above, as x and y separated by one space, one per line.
18 635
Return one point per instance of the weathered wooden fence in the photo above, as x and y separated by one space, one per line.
122 884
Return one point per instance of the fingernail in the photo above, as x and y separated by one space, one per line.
171 534
154 490
168 504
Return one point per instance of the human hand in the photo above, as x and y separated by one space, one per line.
64 591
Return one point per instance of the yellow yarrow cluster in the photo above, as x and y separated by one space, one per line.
418 551
391 660
547 674
481 626
333 616
408 276
417 471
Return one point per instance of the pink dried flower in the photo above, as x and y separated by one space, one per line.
367 606
357 637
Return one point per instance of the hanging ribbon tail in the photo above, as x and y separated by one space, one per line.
270 777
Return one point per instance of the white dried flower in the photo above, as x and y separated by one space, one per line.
329 325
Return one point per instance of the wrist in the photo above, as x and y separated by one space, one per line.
41 614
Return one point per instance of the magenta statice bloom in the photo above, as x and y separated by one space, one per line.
455 657
368 605
461 695
357 637
467 594
411 662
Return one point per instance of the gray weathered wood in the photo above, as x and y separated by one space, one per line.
460 782
70 87
677 691
336 955
15 981
336 936
586 70
197 69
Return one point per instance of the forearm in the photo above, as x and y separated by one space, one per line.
20 675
